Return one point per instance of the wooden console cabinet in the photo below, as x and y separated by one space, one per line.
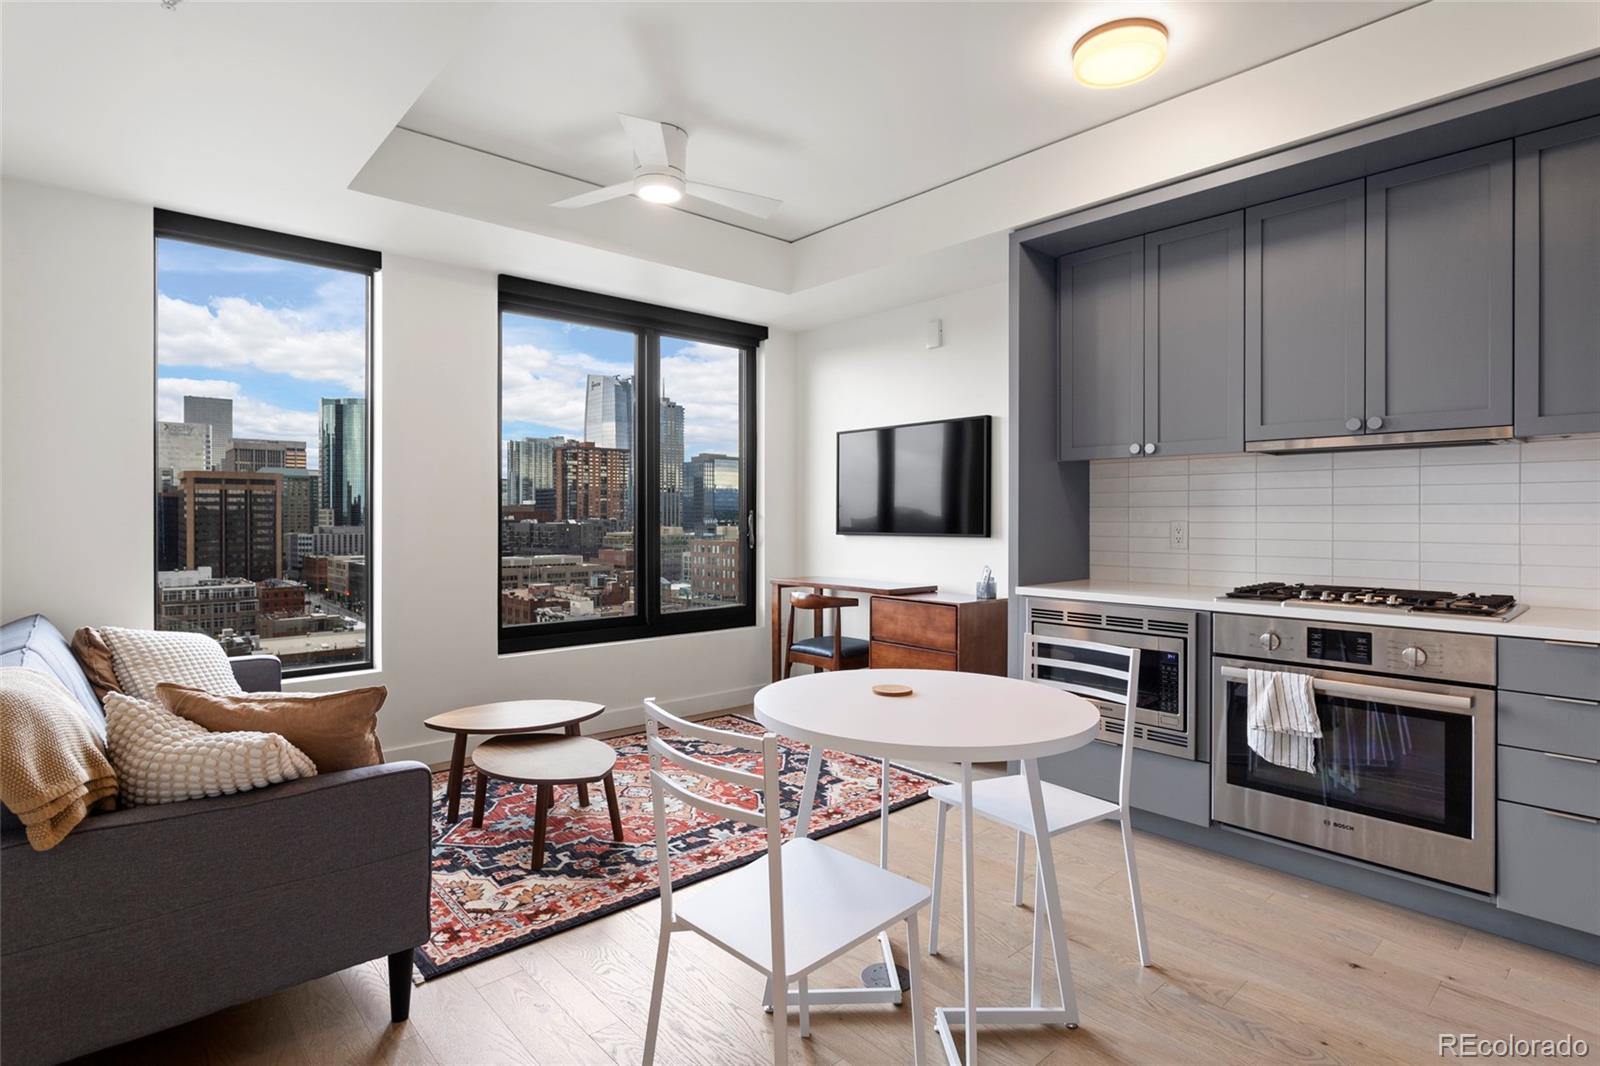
938 631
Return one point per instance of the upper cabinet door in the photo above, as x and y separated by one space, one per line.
1305 331
1102 351
1194 337
1558 280
1439 293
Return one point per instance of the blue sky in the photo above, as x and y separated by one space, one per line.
273 334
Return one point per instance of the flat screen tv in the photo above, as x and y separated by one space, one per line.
928 479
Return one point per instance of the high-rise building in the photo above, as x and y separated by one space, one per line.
592 482
710 491
181 446
172 542
231 523
671 507
216 412
324 540
299 509
530 470
608 411
342 457
253 454
712 567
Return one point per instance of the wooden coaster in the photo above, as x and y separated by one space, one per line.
892 690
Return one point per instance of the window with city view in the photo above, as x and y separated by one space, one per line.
626 488
263 473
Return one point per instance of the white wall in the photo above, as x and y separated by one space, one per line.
79 417
877 370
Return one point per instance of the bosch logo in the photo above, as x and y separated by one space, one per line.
1338 825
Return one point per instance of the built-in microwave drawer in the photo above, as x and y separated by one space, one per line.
1554 667
1550 780
1563 724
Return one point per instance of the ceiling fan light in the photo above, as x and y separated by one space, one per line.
1119 53
659 188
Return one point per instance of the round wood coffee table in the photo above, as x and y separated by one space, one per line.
545 762
507 719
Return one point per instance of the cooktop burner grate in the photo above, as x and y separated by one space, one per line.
1422 601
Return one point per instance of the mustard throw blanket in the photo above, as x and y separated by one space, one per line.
53 770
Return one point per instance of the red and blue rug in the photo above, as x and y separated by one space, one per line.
485 900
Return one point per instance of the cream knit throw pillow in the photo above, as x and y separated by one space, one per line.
161 758
143 658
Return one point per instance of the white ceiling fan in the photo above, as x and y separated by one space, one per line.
659 149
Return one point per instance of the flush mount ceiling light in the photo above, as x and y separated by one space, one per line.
1119 53
658 188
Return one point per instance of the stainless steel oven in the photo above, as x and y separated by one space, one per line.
1403 774
1168 719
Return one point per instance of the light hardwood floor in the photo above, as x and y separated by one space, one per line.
1251 966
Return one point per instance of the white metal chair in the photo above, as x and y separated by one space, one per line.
798 907
1104 673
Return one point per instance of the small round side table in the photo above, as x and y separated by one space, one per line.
545 762
507 718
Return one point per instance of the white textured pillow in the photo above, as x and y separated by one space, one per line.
144 658
161 758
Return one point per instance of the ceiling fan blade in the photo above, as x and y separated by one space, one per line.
649 140
596 196
745 202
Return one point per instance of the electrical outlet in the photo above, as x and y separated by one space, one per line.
1178 535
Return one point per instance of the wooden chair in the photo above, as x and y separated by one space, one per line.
821 651
1108 674
796 908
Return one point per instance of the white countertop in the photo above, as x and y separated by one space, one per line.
1538 623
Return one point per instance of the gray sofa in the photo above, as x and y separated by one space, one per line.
151 916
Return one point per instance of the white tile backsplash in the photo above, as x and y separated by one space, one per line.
1522 518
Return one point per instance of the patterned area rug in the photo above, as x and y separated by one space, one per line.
485 901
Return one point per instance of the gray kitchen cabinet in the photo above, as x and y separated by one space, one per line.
1549 866
1304 365
1194 337
1439 293
1558 280
1102 351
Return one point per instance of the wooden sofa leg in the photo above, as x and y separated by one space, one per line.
400 986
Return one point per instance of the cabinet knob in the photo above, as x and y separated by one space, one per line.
1149 449
1374 422
1353 425
1133 449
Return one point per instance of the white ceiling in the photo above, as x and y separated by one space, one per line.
836 109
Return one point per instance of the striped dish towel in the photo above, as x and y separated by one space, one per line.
1282 723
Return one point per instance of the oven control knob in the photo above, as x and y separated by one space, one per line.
1270 641
1413 657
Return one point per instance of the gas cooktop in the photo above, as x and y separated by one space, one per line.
1415 601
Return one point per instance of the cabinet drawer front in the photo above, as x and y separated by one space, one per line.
921 625
1549 867
1546 724
1554 781
883 656
1553 668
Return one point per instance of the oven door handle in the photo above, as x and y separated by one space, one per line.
1402 697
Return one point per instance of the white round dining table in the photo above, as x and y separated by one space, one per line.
948 717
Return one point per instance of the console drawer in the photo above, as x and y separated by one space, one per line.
916 623
1549 723
885 656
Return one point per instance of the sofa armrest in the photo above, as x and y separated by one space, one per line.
257 673
128 866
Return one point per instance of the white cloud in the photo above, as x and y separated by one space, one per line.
232 332
537 385
251 417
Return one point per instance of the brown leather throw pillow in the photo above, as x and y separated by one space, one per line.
338 730
94 656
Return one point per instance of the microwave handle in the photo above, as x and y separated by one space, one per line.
1402 697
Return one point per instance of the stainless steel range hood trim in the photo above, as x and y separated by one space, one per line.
1421 439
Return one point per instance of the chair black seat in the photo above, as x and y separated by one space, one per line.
823 646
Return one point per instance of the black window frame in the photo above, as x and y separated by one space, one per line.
194 229
649 323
